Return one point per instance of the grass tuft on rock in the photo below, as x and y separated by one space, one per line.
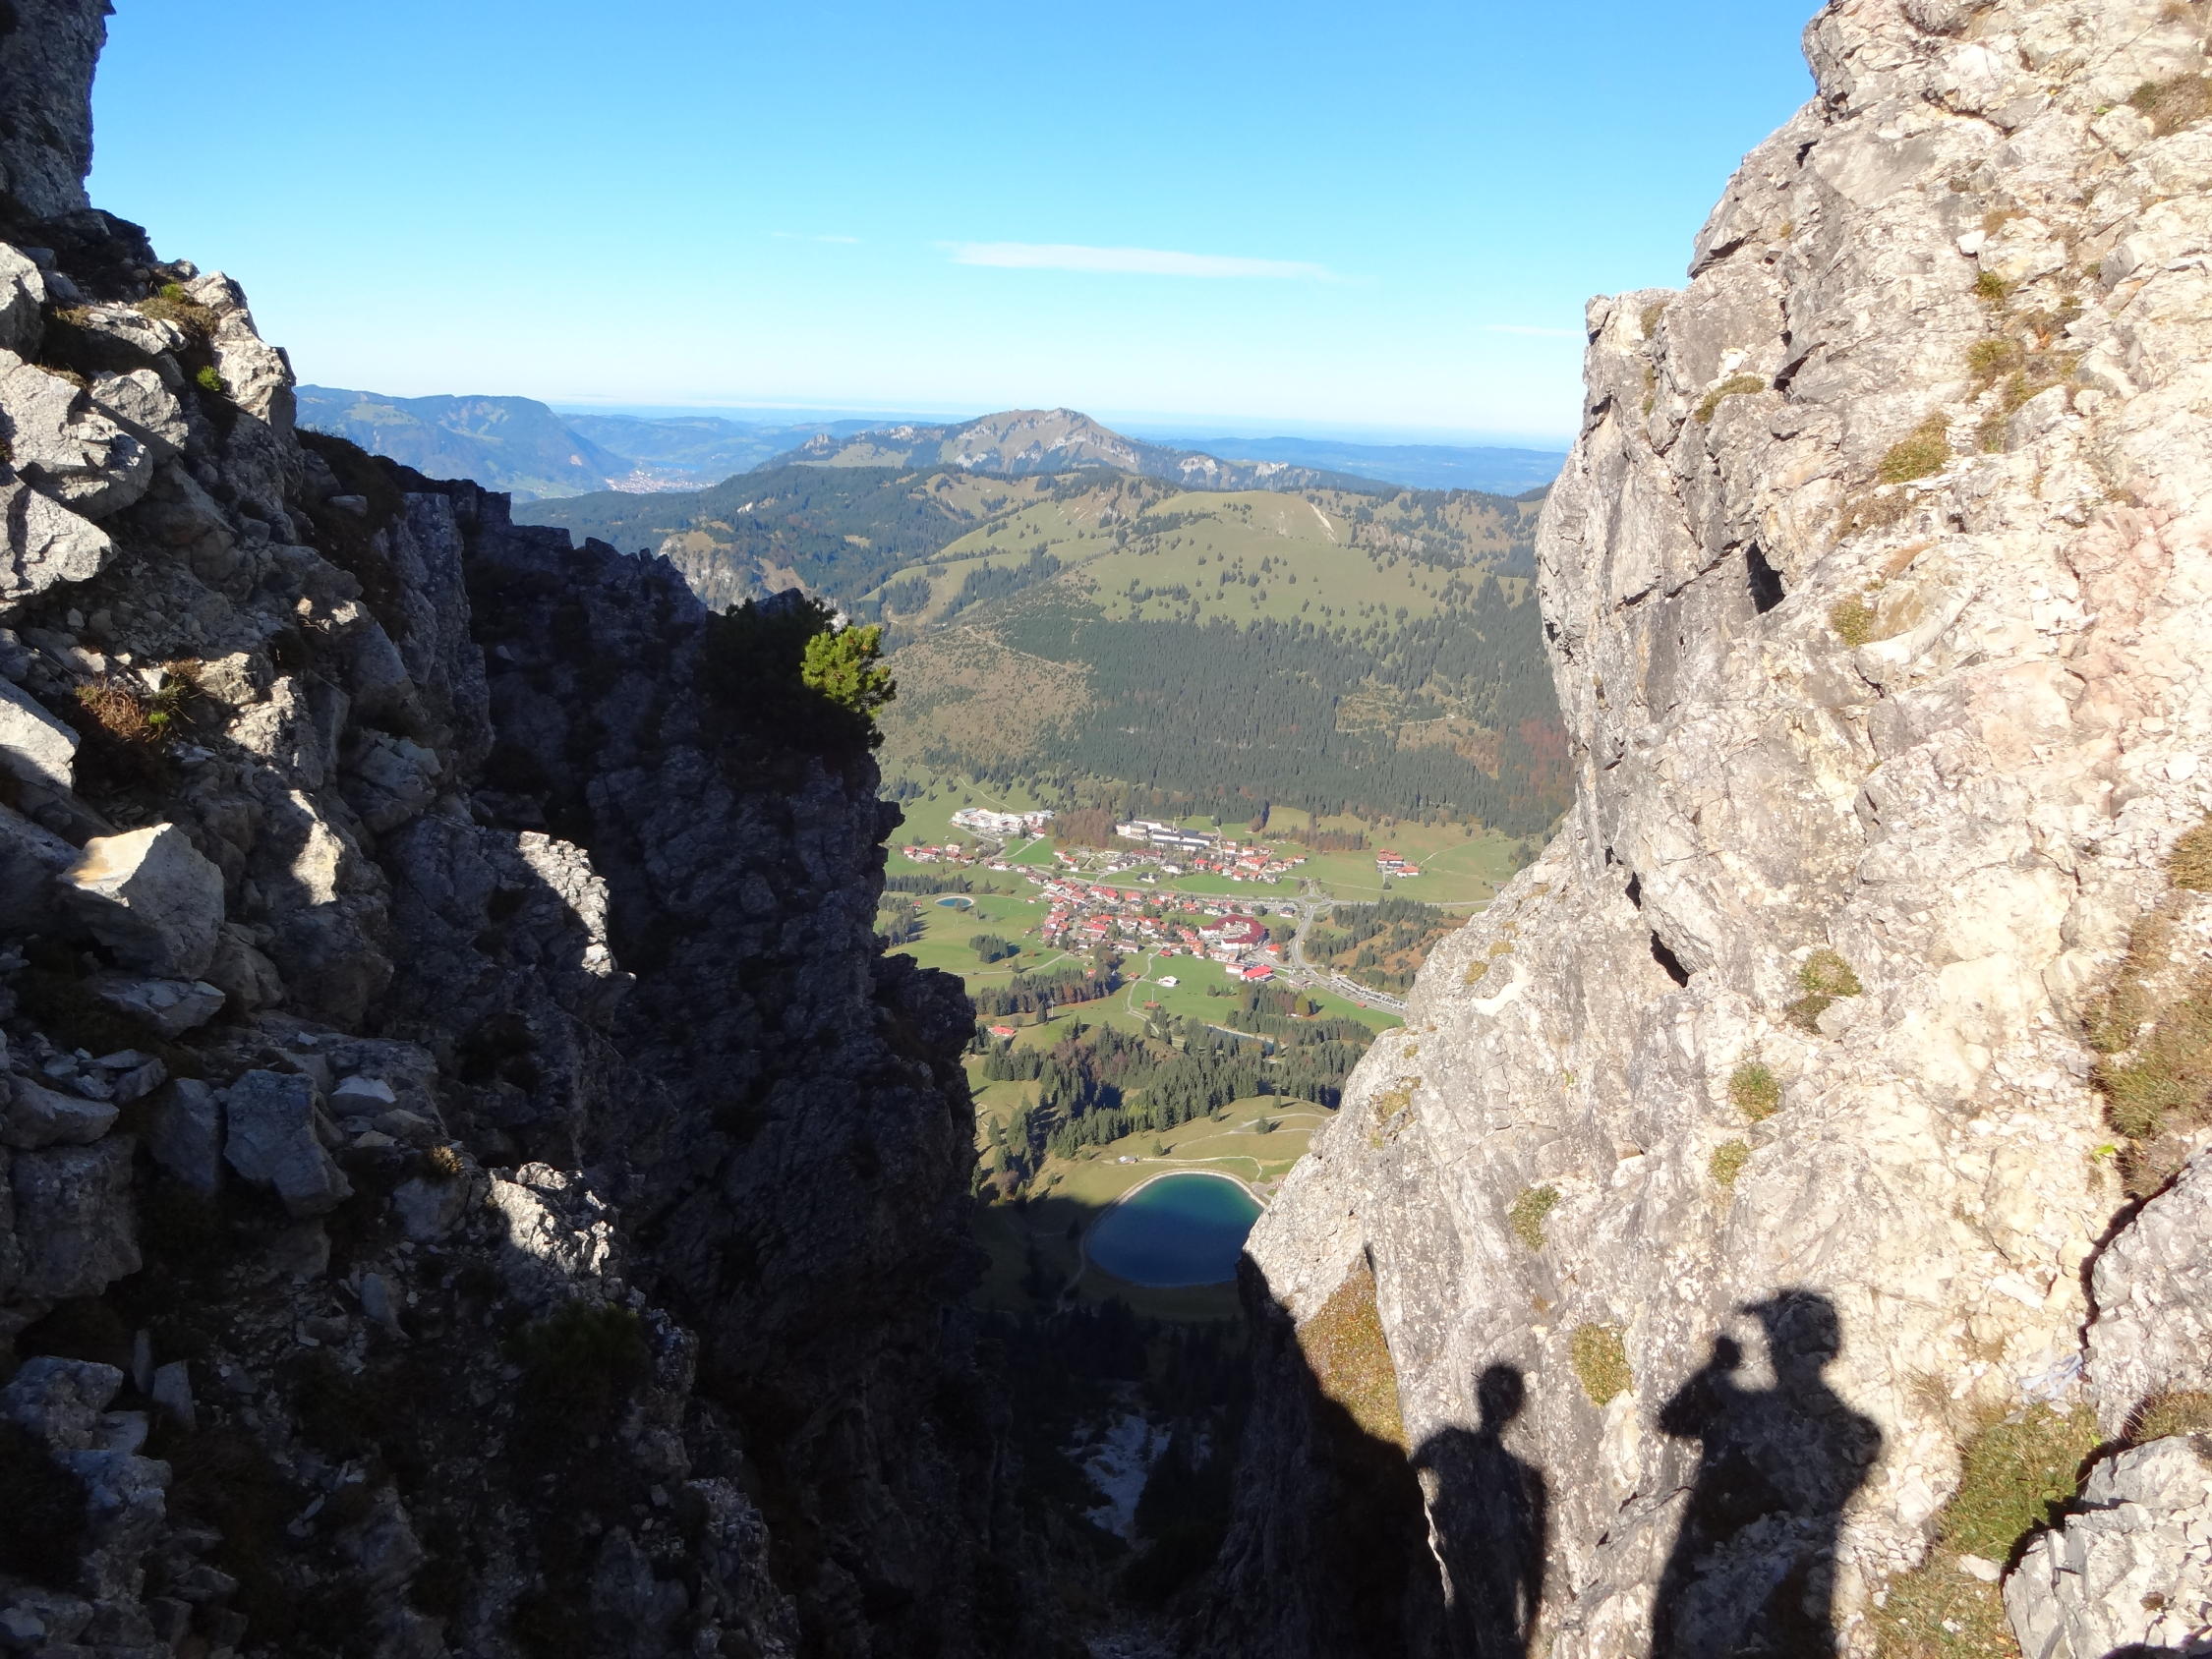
1852 618
1989 361
1825 978
171 303
580 1366
1735 385
1599 1356
1526 1217
1728 1160
1350 1359
2174 103
2016 1472
2165 1079
2171 1411
1920 453
1754 1091
2189 865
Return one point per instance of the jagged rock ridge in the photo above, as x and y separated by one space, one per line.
469 1182
1755 1136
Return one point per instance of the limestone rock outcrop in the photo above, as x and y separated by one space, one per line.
469 1181
150 898
1771 1128
2132 1572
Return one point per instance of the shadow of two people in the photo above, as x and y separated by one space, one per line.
1751 1573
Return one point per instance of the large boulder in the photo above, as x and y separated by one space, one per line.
46 59
270 1140
185 1134
74 1219
560 1232
34 745
31 857
2132 1572
61 1401
46 544
171 1007
23 301
150 897
59 439
32 1117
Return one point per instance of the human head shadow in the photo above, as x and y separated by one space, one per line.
1490 1521
1753 1567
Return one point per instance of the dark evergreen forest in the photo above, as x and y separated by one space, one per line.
1215 715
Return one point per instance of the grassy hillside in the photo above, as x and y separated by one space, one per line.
1213 652
1106 638
838 531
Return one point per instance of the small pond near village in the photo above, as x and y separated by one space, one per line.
1184 1229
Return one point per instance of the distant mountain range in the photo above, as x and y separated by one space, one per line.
536 454
520 445
1419 466
1024 442
511 443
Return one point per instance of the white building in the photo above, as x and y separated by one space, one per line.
984 821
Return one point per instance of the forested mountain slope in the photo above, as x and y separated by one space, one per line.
513 443
1372 649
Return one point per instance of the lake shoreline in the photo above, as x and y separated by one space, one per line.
1252 1192
1086 1261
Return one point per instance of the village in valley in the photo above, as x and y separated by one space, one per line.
1154 995
1159 891
1086 911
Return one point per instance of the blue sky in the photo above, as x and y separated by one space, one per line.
1372 218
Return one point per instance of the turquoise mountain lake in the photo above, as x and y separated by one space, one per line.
1181 1229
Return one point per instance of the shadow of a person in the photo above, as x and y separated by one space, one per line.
1752 1575
1490 1522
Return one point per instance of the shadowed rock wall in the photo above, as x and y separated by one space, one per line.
469 1181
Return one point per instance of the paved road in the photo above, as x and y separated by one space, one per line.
1305 973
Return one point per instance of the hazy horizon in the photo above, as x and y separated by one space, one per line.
1134 423
1324 222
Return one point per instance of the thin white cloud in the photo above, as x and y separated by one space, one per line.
1131 262
1538 333
800 236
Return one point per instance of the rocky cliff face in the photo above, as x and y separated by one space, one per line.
469 1182
1785 1128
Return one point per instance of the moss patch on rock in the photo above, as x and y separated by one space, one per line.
1526 1217
1350 1359
1754 1091
1598 1355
